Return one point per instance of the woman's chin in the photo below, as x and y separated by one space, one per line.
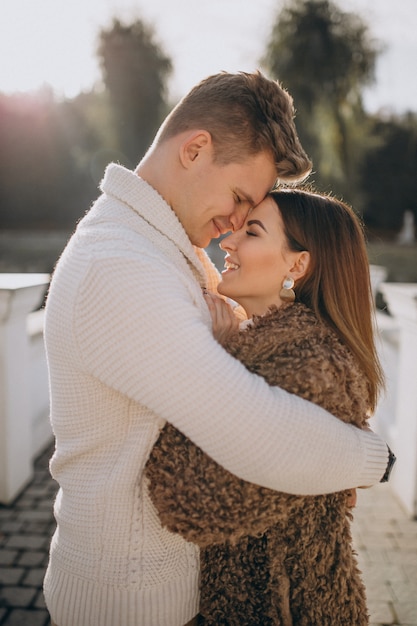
223 290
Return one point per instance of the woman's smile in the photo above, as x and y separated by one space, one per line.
229 265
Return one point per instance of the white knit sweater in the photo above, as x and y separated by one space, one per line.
129 346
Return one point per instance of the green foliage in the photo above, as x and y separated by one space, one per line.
389 173
321 52
40 182
324 57
53 154
135 71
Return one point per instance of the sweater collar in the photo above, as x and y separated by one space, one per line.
128 187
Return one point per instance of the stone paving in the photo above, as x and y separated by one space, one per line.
386 542
385 538
25 531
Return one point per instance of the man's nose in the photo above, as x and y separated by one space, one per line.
238 218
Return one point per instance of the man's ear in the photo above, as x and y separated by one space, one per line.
300 266
195 143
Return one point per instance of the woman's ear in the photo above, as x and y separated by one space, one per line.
300 265
193 145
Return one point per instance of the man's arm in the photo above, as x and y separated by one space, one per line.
164 357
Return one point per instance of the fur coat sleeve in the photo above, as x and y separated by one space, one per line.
205 503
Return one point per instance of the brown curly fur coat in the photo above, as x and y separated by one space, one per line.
269 558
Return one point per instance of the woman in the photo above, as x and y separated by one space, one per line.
268 557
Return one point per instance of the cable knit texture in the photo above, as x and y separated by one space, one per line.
267 557
129 347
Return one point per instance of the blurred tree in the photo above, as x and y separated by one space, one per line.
45 160
87 125
35 163
53 153
389 174
324 57
135 71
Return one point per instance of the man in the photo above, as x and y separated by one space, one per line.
129 345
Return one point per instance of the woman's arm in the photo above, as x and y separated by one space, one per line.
202 501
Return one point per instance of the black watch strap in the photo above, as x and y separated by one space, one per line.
391 460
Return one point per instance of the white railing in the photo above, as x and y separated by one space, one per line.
24 401
396 416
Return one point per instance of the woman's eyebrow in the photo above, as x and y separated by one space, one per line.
250 222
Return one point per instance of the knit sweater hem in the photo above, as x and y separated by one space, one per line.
74 601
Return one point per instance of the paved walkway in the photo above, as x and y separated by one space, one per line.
386 542
25 531
385 539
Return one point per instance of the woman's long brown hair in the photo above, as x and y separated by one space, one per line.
337 284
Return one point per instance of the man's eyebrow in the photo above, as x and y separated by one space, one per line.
256 222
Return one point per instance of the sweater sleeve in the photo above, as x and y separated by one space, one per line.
143 335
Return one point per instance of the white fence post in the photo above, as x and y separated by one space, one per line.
19 295
401 299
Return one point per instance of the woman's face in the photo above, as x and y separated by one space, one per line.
257 260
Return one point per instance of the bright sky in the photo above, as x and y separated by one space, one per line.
54 41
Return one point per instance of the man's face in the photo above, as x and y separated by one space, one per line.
217 198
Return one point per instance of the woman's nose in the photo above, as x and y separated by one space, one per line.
227 243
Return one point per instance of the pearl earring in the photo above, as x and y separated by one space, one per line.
287 293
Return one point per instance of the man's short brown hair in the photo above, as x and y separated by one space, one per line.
245 113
